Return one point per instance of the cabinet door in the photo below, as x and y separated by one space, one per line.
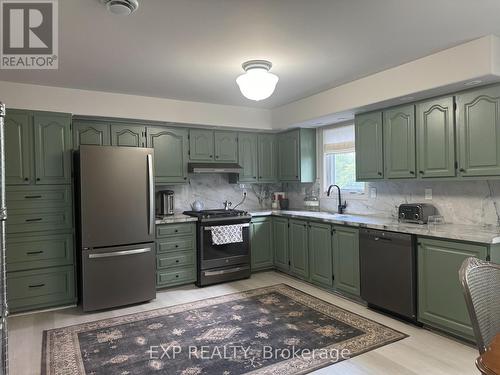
399 142
280 241
90 133
128 135
18 148
369 147
171 154
201 144
320 254
478 122
435 127
226 146
268 158
346 259
247 157
289 156
262 243
52 148
299 254
441 301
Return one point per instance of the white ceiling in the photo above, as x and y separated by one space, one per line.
193 49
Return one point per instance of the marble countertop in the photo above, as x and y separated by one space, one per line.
175 218
472 233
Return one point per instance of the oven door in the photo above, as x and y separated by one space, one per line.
217 256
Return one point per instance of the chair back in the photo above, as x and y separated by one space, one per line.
481 285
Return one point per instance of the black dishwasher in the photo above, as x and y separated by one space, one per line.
388 272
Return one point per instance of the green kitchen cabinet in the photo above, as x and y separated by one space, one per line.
297 155
478 132
52 134
267 157
170 153
320 254
18 147
298 247
399 142
369 146
128 135
201 145
280 243
248 157
441 302
435 128
226 146
261 240
90 132
346 259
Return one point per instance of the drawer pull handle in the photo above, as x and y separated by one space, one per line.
32 196
31 220
36 286
34 252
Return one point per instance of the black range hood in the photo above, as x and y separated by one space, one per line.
214 168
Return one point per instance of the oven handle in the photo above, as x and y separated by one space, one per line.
224 272
210 228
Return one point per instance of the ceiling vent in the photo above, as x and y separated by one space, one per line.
121 7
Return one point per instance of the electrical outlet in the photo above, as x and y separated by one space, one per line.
428 194
373 192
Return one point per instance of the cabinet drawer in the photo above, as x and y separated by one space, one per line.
40 288
40 219
25 253
173 277
175 260
169 230
33 197
175 244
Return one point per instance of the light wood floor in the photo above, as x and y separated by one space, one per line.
423 352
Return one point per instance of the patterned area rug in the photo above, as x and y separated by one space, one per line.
272 330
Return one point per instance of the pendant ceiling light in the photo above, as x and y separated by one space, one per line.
257 83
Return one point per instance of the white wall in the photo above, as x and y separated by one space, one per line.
95 103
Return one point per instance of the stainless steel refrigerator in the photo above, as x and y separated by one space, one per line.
115 191
3 283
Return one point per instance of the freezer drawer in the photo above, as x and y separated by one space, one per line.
118 276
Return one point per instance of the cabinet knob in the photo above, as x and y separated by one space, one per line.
38 178
462 170
185 178
296 176
421 172
216 156
26 179
211 156
380 173
412 172
254 177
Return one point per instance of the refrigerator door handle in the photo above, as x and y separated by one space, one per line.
119 253
151 194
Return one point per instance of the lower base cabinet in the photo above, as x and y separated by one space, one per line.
441 302
346 260
261 242
320 254
280 242
299 249
175 254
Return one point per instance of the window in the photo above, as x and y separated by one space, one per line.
339 159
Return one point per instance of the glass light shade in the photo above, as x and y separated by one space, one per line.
257 83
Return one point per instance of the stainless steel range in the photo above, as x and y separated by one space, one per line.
230 260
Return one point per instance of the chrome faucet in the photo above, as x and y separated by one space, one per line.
341 207
227 205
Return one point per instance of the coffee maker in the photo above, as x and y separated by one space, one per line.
164 203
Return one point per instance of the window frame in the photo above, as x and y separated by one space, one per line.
346 193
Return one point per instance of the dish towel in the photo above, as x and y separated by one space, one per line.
225 234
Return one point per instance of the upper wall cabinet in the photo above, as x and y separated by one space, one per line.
297 155
128 135
171 153
226 146
201 144
248 157
18 147
52 148
89 132
399 142
369 147
435 138
478 123
268 158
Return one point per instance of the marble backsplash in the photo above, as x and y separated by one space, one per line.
459 202
213 189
